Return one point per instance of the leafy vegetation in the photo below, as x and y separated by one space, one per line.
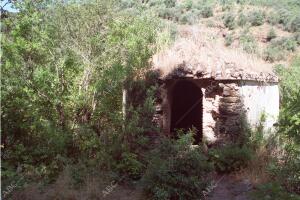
230 158
65 66
63 72
256 18
229 21
177 171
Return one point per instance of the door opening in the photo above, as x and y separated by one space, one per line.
187 108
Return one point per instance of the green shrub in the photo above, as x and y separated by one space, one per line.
229 39
248 43
289 172
271 34
170 3
187 18
206 11
230 157
77 174
242 20
187 4
169 13
294 25
272 191
177 171
229 21
289 126
130 165
256 18
285 43
227 5
273 54
297 38
284 17
273 18
278 49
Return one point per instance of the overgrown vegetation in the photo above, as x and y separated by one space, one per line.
177 170
282 161
66 64
64 67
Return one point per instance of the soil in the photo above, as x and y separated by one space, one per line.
229 188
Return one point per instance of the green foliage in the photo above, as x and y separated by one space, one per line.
206 11
227 4
242 20
289 173
271 34
248 43
130 165
256 18
289 125
285 44
229 21
187 18
297 38
64 67
177 171
273 191
284 17
273 54
294 25
279 48
273 18
229 39
230 157
77 173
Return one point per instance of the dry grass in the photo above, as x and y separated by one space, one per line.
257 170
202 49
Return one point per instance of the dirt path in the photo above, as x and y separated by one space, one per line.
228 188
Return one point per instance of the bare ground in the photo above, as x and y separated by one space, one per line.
229 188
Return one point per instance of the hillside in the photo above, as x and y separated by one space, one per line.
82 108
267 29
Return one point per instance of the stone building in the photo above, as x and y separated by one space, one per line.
213 88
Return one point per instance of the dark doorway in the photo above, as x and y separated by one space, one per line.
187 111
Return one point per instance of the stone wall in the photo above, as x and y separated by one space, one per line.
227 107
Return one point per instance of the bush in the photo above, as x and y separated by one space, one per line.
229 21
279 48
130 165
289 172
294 25
289 125
177 171
273 54
227 5
229 39
230 158
187 18
271 34
285 43
169 13
256 18
242 20
284 18
273 191
273 18
187 4
170 3
297 38
248 43
206 11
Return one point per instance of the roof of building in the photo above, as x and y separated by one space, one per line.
199 52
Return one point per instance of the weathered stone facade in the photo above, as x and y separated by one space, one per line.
224 112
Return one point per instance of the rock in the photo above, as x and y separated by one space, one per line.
231 99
